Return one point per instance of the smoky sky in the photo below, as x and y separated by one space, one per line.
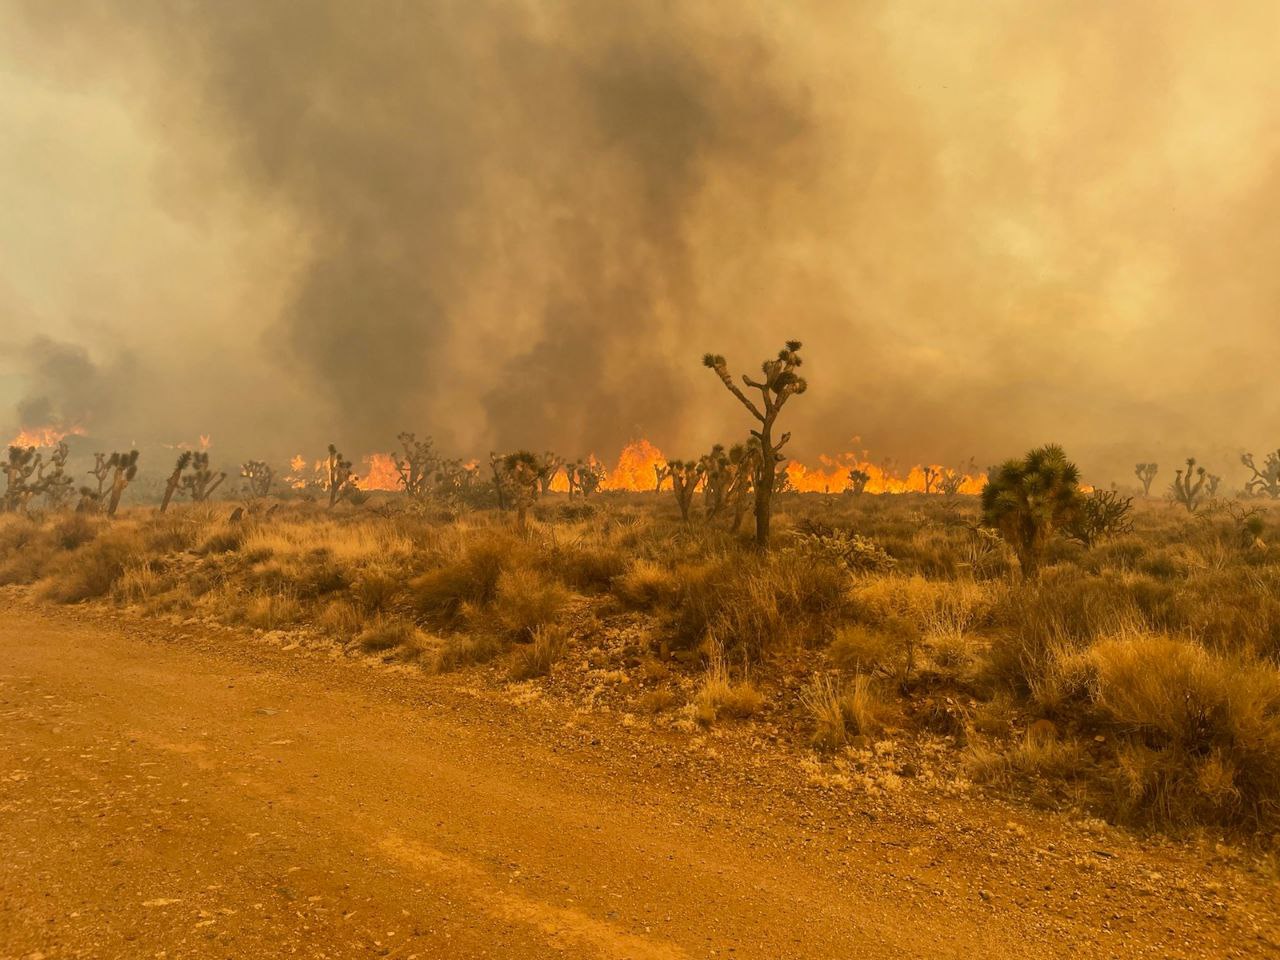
519 224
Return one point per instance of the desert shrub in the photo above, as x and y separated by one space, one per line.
646 584
319 574
588 567
840 711
857 648
459 650
340 618
139 581
526 600
440 595
72 531
658 700
226 538
271 611
381 635
1201 732
720 696
375 590
93 569
536 659
1044 757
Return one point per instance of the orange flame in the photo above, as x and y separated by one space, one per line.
44 436
382 473
833 477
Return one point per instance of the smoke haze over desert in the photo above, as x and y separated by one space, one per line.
522 223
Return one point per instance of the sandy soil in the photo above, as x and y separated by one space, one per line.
183 792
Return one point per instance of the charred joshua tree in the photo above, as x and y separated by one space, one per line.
1146 472
101 470
744 465
258 477
174 480
417 465
685 477
124 467
780 383
521 473
200 483
551 465
54 482
932 476
716 475
22 463
858 480
660 473
1188 485
339 480
1264 482
585 476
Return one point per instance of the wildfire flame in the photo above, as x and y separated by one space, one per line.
48 436
381 473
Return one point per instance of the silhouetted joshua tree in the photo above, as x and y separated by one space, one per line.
339 480
858 480
685 477
1146 472
258 477
779 384
124 467
200 483
174 480
1264 482
1188 485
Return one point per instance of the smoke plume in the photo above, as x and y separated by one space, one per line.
521 224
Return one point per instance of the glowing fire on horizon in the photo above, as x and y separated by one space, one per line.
634 471
48 436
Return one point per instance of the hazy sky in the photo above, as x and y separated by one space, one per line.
521 224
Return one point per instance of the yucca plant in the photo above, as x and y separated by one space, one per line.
1031 499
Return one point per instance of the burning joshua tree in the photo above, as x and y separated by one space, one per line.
585 476
418 465
858 480
780 383
660 473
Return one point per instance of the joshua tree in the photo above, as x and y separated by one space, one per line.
1028 500
124 467
54 482
782 482
953 479
1211 488
585 476
744 464
1146 472
258 477
685 477
101 470
499 481
521 472
1264 482
1188 485
551 465
660 473
858 480
932 475
780 383
716 477
339 480
18 469
201 481
174 480
417 465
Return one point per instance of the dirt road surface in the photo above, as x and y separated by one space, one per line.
170 792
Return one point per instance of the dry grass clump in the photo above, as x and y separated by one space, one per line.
91 570
841 712
470 580
1033 755
536 658
382 635
720 696
1201 732
646 585
526 601
657 700
272 611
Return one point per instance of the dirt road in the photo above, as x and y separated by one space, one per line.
181 794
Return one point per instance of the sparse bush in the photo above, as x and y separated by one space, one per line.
840 712
720 696
536 659
526 600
